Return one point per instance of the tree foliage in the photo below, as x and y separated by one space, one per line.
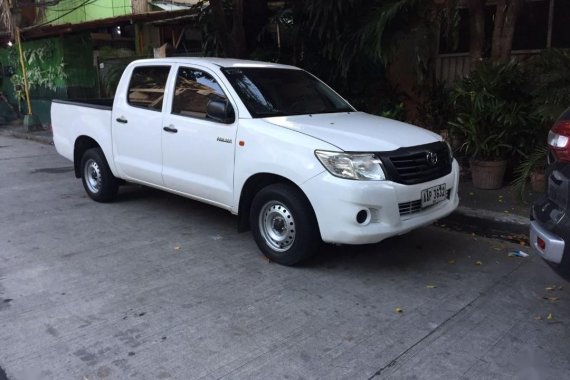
231 27
351 31
550 71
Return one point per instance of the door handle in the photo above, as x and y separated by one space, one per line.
122 120
170 129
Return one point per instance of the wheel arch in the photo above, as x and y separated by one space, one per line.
82 144
252 186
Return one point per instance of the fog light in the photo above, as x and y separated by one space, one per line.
362 216
541 244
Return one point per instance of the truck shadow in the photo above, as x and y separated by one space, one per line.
172 205
411 251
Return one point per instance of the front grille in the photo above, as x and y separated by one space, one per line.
408 208
410 165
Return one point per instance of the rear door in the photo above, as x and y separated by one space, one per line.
137 124
197 152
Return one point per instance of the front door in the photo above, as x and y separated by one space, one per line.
137 125
198 152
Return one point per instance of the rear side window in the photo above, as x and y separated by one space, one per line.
146 89
194 89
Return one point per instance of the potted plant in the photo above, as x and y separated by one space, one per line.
486 152
492 108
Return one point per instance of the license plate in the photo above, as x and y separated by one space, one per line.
433 195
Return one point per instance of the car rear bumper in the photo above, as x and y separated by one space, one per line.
550 231
546 243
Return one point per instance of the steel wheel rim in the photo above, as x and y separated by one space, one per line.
277 226
92 176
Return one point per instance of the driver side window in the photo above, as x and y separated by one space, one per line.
194 90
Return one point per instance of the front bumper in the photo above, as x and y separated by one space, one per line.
337 202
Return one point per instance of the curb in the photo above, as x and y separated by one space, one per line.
48 140
489 221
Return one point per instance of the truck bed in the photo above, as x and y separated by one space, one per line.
82 119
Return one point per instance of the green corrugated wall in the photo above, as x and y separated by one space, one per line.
78 11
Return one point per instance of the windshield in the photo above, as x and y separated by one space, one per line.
283 92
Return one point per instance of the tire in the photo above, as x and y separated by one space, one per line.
284 225
98 180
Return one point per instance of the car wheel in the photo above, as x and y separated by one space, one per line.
283 224
98 180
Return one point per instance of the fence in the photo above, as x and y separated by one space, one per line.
450 67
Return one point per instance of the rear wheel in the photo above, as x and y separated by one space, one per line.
98 180
283 224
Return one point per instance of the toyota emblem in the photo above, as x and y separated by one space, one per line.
431 158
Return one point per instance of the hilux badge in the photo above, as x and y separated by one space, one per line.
431 158
225 140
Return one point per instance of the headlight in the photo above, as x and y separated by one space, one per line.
362 166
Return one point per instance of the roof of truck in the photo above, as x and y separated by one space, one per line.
216 62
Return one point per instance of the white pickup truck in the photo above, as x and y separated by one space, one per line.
267 142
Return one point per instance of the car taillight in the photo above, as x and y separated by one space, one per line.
540 243
559 140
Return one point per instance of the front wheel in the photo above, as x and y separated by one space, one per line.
283 224
98 180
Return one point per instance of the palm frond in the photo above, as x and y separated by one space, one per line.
350 32
372 38
6 16
535 160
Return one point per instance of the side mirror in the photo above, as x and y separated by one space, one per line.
221 111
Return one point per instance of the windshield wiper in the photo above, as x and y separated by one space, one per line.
271 114
333 110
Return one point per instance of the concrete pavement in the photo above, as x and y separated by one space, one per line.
157 286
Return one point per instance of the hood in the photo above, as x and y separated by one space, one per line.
357 131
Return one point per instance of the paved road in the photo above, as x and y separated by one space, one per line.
155 286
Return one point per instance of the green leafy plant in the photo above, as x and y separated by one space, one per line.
205 22
550 71
494 112
435 109
19 94
394 111
39 54
478 143
533 162
40 72
41 77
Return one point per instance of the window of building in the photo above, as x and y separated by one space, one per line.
560 29
146 88
534 23
194 89
531 31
